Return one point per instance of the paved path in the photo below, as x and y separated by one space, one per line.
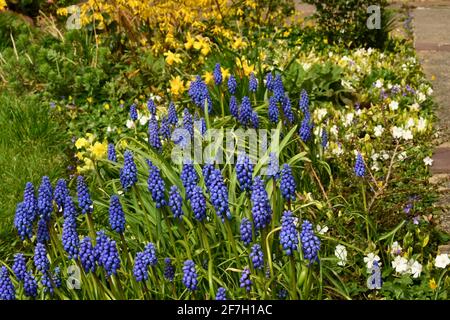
431 22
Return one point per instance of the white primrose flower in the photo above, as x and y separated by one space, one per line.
422 124
397 132
396 249
421 97
410 123
415 268
442 261
378 130
402 156
130 124
321 229
415 106
341 253
407 135
379 83
400 264
143 120
393 105
370 258
321 113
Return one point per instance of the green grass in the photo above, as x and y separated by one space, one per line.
31 145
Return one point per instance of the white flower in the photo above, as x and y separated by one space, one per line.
442 261
130 124
370 258
375 166
337 150
415 106
407 135
429 91
410 123
397 132
415 268
306 66
385 155
421 97
396 248
378 130
375 156
143 120
321 229
341 253
421 126
400 264
348 119
402 156
321 113
393 105
379 83
428 161
346 84
109 129
334 130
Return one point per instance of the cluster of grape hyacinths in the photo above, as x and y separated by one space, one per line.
256 255
273 168
252 83
143 261
151 106
287 183
198 203
198 92
19 266
133 112
112 156
116 215
324 138
217 74
221 294
156 185
23 223
164 130
176 202
245 112
310 242
55 281
106 253
288 234
7 290
40 258
269 81
190 278
61 192
232 85
30 285
128 173
87 255
45 198
254 120
234 109
69 208
218 193
304 102
169 270
153 134
84 199
278 89
360 168
30 202
261 210
287 109
246 231
172 117
188 122
245 281
273 110
306 126
42 234
244 172
189 177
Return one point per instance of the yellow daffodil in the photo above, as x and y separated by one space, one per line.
99 150
123 144
61 11
90 137
246 68
177 86
79 155
89 99
106 106
225 73
172 58
432 284
208 77
81 143
189 41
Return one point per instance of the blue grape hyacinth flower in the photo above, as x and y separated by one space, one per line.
153 134
45 198
19 266
244 172
245 112
116 215
42 234
278 89
287 110
87 255
169 270
273 110
310 242
246 231
70 239
108 256
7 290
221 294
128 173
199 94
232 85
189 177
245 281
217 74
190 278
324 138
30 205
218 194
261 210
133 112
198 203
176 202
156 186
273 168
23 223
151 106
143 261
69 208
188 122
61 192
84 199
254 120
359 169
287 183
40 258
269 81
256 255
304 102
112 156
234 108
172 117
30 285
164 129
252 83
288 234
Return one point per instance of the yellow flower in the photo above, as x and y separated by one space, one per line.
80 155
225 73
90 137
208 77
89 99
238 44
99 150
243 64
172 57
106 106
81 143
177 86
61 11
123 144
189 41
432 284
202 44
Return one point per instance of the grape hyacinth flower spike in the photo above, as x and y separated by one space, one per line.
245 281
151 106
169 270
217 74
221 294
153 134
84 199
19 266
244 172
7 290
288 234
189 177
256 255
246 231
61 192
40 258
112 156
287 183
252 83
190 278
45 198
116 215
133 112
310 242
245 112
261 210
359 169
128 173
232 85
156 185
234 109
172 117
87 255
176 202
